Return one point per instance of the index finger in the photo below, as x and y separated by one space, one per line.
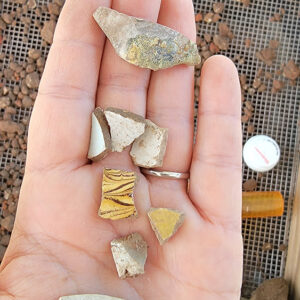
60 123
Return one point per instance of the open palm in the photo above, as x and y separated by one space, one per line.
60 246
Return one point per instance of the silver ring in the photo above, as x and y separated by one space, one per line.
166 174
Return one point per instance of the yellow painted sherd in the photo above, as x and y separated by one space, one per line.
117 194
165 222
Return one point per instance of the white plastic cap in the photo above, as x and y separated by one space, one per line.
261 153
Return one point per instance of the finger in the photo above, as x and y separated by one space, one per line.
215 186
121 84
170 97
170 105
60 124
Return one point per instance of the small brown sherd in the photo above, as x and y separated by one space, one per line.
117 194
89 297
165 222
100 142
125 127
146 44
130 254
149 149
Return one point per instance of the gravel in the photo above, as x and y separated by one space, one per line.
27 102
11 127
291 70
4 102
47 31
218 7
18 90
34 54
32 80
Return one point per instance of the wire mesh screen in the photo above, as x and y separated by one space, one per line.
15 42
15 48
276 115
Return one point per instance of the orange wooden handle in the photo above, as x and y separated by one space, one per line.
262 204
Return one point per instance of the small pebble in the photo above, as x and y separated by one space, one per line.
256 83
2 252
282 247
4 102
216 18
260 72
250 128
274 44
11 127
34 54
213 48
218 7
5 240
54 9
31 4
208 18
272 289
2 24
262 88
59 2
27 102
207 37
47 31
224 30
30 68
222 42
277 86
8 223
249 185
268 75
33 80
267 247
198 17
7 18
243 79
247 43
267 55
291 70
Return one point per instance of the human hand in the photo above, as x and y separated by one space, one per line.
59 245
